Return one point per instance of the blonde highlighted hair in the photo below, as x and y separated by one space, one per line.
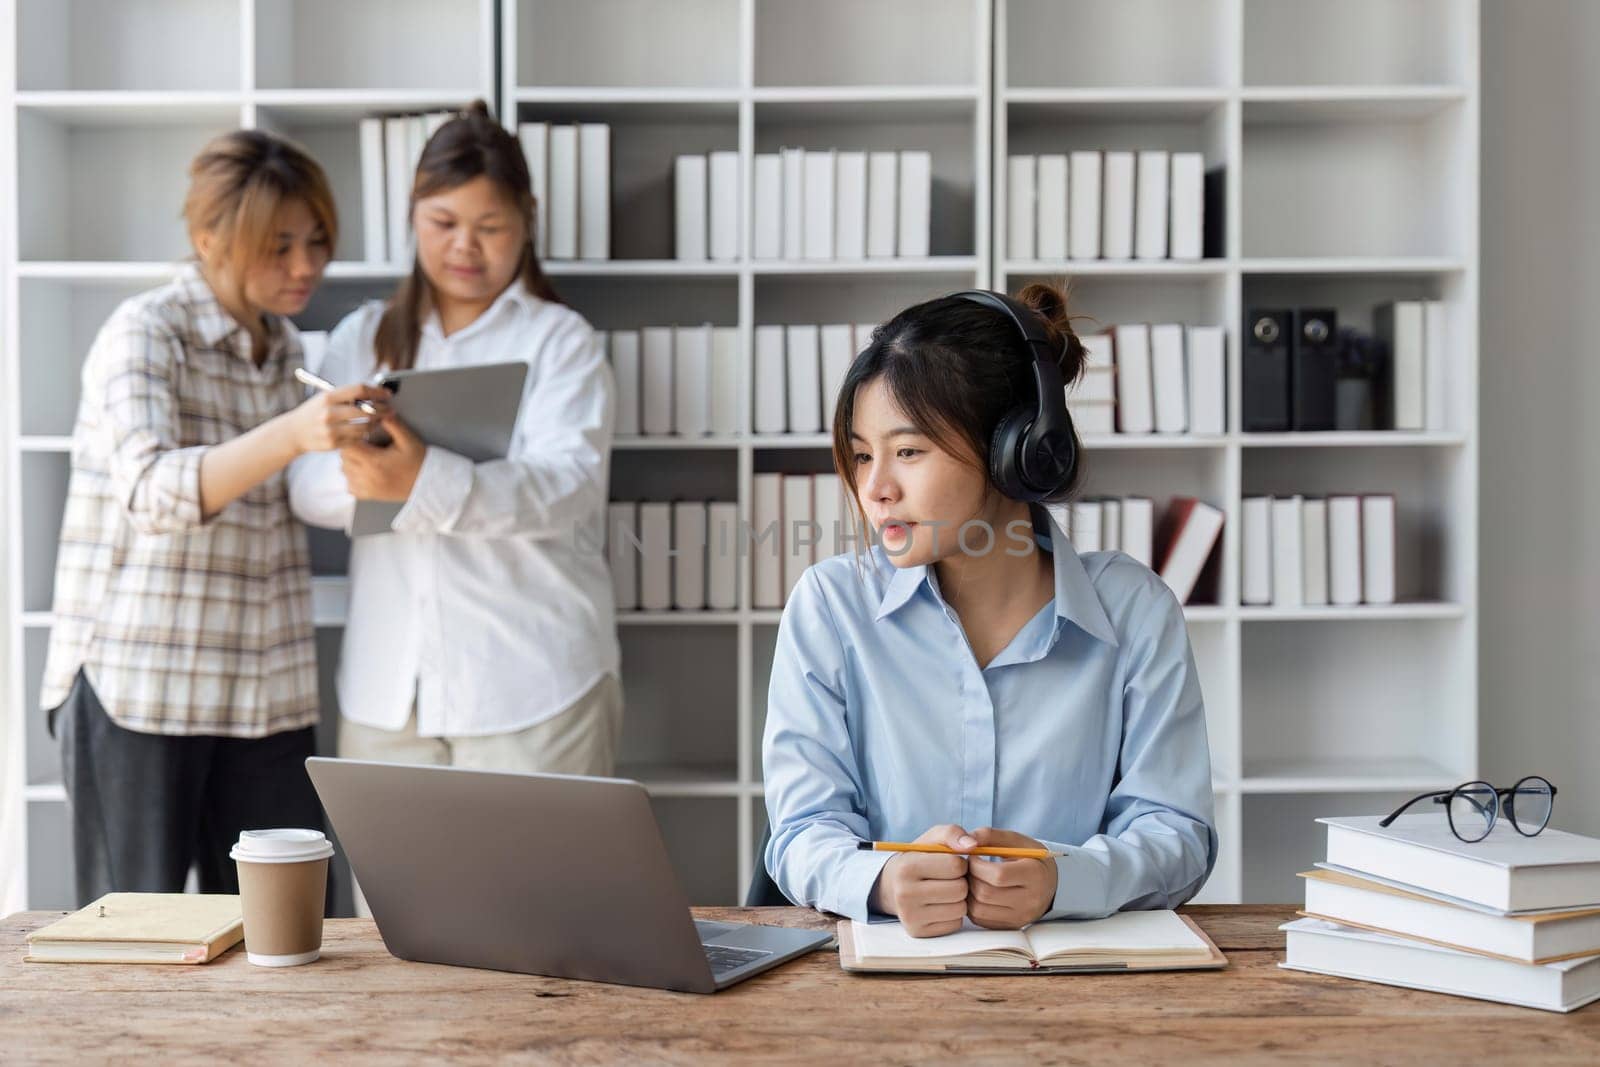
236 185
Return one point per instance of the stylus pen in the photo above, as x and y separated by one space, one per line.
316 381
981 850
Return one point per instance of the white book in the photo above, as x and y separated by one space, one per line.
766 547
655 380
416 139
1435 365
724 207
1051 241
722 557
1117 193
622 554
625 372
563 192
1504 871
655 557
691 380
1021 222
1171 393
1344 550
817 242
1150 216
1097 385
374 217
535 140
1188 205
838 350
725 362
689 522
1326 948
1398 912
1093 417
1288 559
1208 381
1135 401
1111 525
1185 556
1099 352
883 197
594 191
799 530
397 168
771 412
1083 216
827 506
850 206
689 201
1401 325
804 358
1314 552
1377 549
768 207
1139 529
916 200
1256 568
794 201
1085 529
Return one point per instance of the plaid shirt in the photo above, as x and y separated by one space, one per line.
184 625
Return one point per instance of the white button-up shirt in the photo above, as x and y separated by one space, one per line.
490 604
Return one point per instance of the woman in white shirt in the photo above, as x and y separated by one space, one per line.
481 631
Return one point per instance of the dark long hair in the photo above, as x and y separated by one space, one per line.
469 146
955 368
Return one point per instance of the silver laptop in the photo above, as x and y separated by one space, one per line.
536 873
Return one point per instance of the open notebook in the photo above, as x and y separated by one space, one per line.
1126 941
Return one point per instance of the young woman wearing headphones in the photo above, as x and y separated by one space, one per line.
973 681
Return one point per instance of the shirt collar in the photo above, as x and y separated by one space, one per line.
1076 600
514 295
212 325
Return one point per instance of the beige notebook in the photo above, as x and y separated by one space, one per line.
142 928
1126 941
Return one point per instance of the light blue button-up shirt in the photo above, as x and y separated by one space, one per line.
1087 732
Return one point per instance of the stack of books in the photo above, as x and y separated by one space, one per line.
1182 548
1141 379
798 371
1108 205
1312 552
1510 918
570 168
827 204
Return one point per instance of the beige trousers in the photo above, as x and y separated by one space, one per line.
581 740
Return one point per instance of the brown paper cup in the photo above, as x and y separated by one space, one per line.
283 876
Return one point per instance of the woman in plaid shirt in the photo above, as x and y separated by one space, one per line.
181 680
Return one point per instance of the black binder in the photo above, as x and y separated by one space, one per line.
1316 368
1266 378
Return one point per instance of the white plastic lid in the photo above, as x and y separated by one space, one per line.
282 846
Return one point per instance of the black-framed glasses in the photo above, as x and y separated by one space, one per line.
1473 807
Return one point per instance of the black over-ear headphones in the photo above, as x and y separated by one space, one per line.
1034 452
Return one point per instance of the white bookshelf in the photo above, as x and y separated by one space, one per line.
1349 135
1316 711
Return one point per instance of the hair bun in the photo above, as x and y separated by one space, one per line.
1049 302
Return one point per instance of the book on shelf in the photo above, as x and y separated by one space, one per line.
793 172
1139 529
1111 525
689 555
1377 549
1051 212
1208 381
624 345
850 205
767 234
1083 525
883 199
1150 216
1288 555
828 510
1118 194
594 191
818 218
1021 174
622 553
1168 388
1314 549
1135 403
804 362
723 546
178 928
1385 907
916 203
374 212
766 547
689 191
725 379
1435 365
1344 550
770 374
1125 941
396 165
1400 324
1083 198
564 183
1187 206
656 359
655 556
535 140
1329 948
838 350
691 380
723 178
1189 561
1256 560
799 535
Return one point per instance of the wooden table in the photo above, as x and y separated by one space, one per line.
360 1003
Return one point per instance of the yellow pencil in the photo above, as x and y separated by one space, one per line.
979 850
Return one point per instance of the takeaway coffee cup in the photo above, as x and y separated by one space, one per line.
283 875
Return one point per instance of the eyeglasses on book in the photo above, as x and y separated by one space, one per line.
1473 807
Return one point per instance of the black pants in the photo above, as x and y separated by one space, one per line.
147 806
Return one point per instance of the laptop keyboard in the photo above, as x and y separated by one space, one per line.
725 958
